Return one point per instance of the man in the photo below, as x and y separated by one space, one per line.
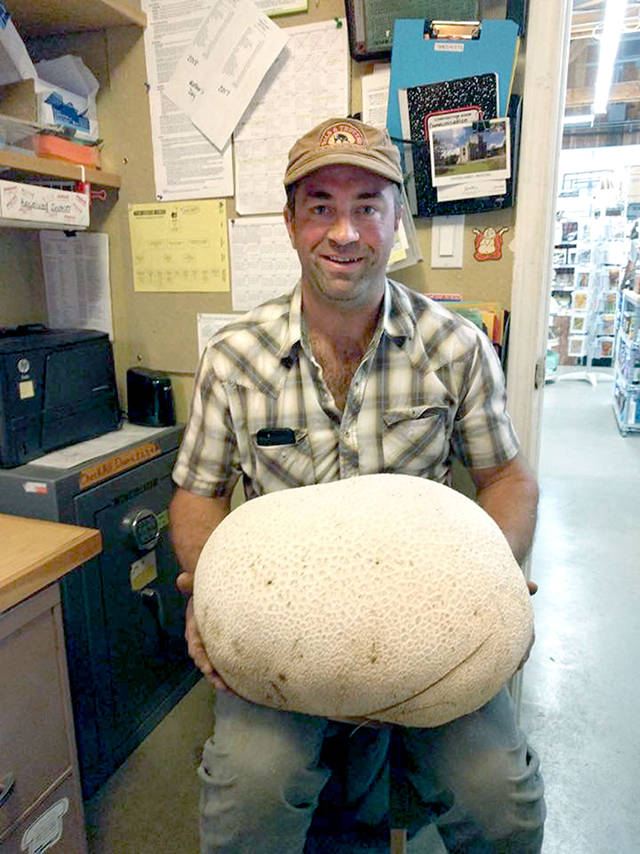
367 376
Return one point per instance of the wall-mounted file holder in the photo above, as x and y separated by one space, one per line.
424 197
371 22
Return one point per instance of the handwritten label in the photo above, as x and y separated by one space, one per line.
118 463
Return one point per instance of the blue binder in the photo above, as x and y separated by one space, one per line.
416 60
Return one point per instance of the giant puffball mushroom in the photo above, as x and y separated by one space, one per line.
384 597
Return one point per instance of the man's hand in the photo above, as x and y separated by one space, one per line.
184 583
197 649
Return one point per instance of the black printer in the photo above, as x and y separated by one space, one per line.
57 387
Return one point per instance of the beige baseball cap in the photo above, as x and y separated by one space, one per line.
344 142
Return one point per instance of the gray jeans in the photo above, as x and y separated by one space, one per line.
284 783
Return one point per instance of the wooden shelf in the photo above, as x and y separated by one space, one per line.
44 17
55 168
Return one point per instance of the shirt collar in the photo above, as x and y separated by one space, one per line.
398 320
292 332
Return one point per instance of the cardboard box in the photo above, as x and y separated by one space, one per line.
30 206
56 93
40 103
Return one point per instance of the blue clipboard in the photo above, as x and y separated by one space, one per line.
416 60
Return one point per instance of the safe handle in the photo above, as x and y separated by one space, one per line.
153 600
6 787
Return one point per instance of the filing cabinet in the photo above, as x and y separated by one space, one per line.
40 794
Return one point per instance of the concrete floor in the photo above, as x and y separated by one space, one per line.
580 690
580 694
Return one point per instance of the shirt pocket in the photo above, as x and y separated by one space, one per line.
282 466
416 439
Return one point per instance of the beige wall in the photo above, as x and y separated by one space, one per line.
159 330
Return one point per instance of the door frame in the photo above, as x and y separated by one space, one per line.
545 84
545 81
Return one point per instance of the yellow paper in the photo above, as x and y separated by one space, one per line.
400 245
180 246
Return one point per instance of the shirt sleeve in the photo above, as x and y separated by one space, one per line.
207 462
483 434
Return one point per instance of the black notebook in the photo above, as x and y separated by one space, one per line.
464 100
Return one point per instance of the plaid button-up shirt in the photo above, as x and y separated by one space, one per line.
429 386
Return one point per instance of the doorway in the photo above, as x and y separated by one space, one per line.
578 694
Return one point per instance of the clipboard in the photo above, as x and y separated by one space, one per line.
422 54
427 52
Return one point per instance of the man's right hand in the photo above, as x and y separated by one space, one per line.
196 646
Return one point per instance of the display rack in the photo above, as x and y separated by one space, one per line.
626 391
597 256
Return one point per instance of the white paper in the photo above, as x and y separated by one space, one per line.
473 189
281 7
76 276
375 94
186 164
308 83
216 79
208 325
68 72
15 63
82 452
263 262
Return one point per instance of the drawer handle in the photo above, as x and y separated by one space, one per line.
6 787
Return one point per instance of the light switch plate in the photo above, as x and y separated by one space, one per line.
447 240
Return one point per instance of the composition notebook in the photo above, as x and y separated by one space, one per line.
463 100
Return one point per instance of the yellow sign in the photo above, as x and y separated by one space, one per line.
118 463
180 246
143 571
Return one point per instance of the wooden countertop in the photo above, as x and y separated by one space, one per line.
35 553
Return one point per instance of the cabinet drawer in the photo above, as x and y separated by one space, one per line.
34 742
58 824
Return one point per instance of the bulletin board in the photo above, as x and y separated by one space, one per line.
159 329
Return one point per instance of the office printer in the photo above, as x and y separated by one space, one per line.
57 387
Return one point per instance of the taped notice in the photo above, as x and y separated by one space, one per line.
36 487
143 571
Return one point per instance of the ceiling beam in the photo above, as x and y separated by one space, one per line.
588 24
628 91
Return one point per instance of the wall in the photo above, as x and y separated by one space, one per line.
159 330
21 293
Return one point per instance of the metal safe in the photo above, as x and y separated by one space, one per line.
124 618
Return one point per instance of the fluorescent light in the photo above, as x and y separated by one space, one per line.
609 41
579 120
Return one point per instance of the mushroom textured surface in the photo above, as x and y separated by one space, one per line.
385 597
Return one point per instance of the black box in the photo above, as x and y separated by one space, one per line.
150 398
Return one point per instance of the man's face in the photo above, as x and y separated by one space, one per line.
343 230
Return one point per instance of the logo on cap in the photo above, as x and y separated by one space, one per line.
343 133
